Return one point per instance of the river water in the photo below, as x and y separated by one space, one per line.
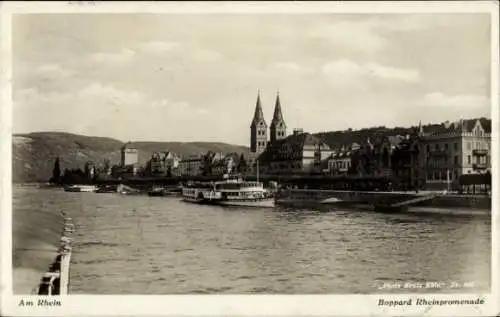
161 245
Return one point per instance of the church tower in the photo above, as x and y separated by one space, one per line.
258 130
278 125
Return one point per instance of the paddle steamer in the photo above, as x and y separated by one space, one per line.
231 191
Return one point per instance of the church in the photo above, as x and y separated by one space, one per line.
279 153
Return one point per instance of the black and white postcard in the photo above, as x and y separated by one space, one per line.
249 158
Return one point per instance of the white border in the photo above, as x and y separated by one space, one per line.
205 305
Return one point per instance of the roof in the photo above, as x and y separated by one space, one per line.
278 114
341 154
460 125
126 146
291 146
259 114
486 123
395 140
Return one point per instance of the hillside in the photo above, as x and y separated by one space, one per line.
337 139
33 154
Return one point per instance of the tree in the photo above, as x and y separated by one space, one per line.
206 163
107 166
56 172
242 164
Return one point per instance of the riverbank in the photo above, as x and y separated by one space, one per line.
36 237
370 198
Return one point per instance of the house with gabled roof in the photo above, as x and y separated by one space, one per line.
453 149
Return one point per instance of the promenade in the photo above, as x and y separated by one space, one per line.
36 239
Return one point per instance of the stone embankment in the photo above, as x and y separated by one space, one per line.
440 200
56 280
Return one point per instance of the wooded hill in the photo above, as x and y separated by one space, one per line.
34 154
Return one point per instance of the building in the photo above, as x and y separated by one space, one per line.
162 163
258 130
450 150
208 162
297 153
156 165
339 162
129 156
190 166
225 165
278 125
407 170
123 172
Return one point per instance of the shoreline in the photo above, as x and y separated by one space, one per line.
37 237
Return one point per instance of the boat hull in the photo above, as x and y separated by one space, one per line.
199 201
78 189
262 203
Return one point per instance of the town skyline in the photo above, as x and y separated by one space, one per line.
200 82
289 132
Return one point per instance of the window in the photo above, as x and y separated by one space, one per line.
468 145
468 159
436 146
446 146
455 146
455 160
428 148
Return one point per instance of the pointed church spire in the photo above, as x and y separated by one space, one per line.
278 125
259 114
278 115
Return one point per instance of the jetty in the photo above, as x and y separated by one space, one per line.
390 201
415 200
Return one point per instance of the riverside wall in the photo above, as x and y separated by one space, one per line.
374 197
312 193
56 280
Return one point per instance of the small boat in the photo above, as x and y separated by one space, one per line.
81 188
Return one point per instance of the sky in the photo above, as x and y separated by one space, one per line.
195 77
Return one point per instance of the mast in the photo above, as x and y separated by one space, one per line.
257 170
448 179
